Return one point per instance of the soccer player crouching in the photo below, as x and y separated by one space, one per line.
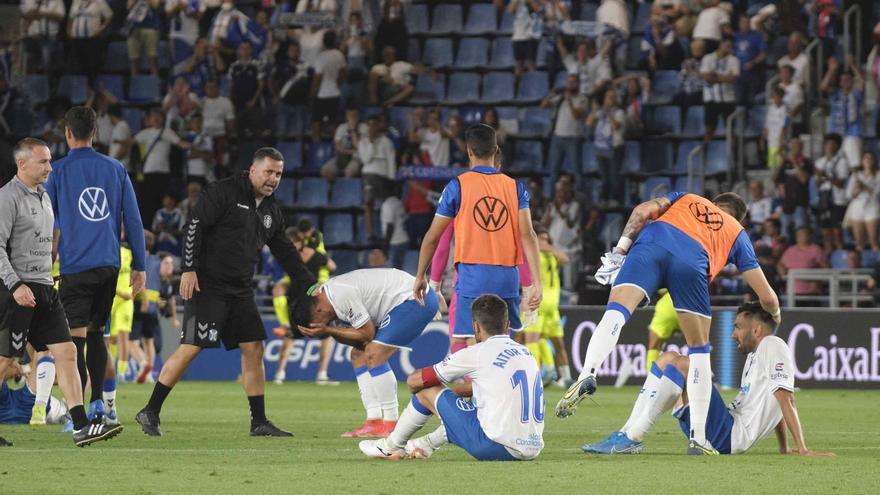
765 401
504 420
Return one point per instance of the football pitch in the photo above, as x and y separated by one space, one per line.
206 449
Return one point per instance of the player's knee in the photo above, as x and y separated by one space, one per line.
65 352
413 382
374 358
278 290
666 358
682 363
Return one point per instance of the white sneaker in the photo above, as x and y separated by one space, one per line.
325 381
419 448
381 449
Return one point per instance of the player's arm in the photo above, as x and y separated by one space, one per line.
356 337
766 295
641 215
782 437
530 247
426 253
793 423
455 366
134 233
204 215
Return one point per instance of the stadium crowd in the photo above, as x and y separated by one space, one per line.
597 106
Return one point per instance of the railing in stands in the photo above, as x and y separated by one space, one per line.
851 32
696 152
842 286
815 76
817 131
736 140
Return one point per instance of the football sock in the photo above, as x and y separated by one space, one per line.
564 372
537 351
258 408
122 367
547 354
78 417
368 396
280 304
650 357
699 387
437 437
644 397
385 388
414 417
80 343
45 379
160 393
96 362
668 389
323 376
109 394
604 338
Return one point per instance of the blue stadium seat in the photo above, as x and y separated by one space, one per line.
536 122
292 153
588 11
656 157
246 150
838 259
755 123
428 90
37 87
470 115
633 52
74 88
717 161
438 52
532 87
464 87
481 19
643 15
559 80
545 48
446 19
346 260
414 51
528 156
632 157
411 261
117 57
112 83
497 87
507 113
664 120
284 193
666 86
319 153
472 53
338 228
870 258
502 54
143 89
400 118
694 122
655 187
313 192
417 18
681 158
612 227
347 193
681 185
133 116
589 164
506 26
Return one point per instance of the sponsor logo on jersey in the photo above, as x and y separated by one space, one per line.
464 405
267 221
711 219
385 322
490 214
780 366
93 204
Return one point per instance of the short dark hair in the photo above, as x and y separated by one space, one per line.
329 39
490 311
753 310
304 224
25 146
303 310
82 122
268 152
775 222
833 137
733 203
481 140
115 110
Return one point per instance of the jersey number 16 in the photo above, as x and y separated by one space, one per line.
536 398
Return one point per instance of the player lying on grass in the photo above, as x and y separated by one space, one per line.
380 316
26 394
765 401
503 421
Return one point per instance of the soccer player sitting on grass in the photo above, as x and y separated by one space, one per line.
28 399
765 401
381 316
504 420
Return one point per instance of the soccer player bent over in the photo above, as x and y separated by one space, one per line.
765 401
382 317
503 421
684 240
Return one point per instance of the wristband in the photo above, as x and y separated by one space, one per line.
434 285
429 377
624 244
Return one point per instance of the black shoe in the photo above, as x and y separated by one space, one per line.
92 433
5 443
149 421
267 429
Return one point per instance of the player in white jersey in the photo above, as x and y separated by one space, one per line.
379 317
503 421
765 401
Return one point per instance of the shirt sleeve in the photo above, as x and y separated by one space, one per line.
7 220
450 199
743 253
288 257
522 194
455 366
781 366
348 307
674 196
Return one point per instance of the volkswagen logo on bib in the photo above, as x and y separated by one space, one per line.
93 204
490 214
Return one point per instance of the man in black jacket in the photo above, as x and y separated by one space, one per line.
232 221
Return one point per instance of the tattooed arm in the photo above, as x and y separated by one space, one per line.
649 210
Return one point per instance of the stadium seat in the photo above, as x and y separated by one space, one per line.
292 153
411 261
532 87
473 53
536 122
112 83
694 122
545 48
632 158
428 90
612 227
665 87
870 258
437 52
656 157
839 259
528 156
634 53
117 57
464 87
481 19
681 159
717 162
589 164
143 89
755 124
681 185
338 229
588 11
346 260
133 116
664 120
246 150
347 193
400 118
559 80
643 15
319 153
446 19
417 18
37 87
414 51
502 54
74 88
497 87
284 192
313 192
655 187
470 115
506 26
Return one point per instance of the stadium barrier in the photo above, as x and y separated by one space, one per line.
831 349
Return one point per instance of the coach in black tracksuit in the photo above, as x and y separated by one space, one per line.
232 221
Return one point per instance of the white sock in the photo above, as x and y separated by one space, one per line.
604 338
368 395
45 379
661 399
437 438
699 387
414 417
322 376
644 398
565 373
385 387
109 400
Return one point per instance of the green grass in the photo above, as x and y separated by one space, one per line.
206 449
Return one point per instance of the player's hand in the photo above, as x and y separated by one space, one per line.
420 288
189 281
812 453
138 282
24 296
611 263
314 330
535 297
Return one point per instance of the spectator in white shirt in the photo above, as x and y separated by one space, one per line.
863 212
794 95
832 172
120 138
346 161
200 156
608 124
183 15
154 143
42 21
393 217
218 119
528 22
329 74
430 137
378 170
709 24
760 206
562 219
86 23
589 64
797 58
571 109
391 81
719 69
777 124
179 103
